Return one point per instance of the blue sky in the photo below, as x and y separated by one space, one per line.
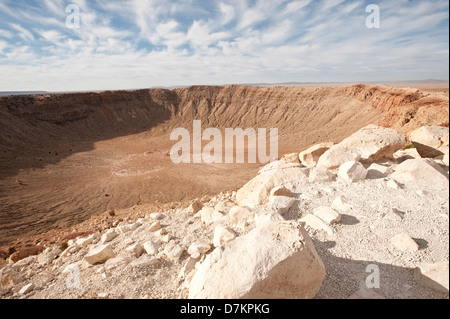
145 43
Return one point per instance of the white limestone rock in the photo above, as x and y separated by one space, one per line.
352 172
310 157
434 276
152 248
196 250
240 216
422 171
404 243
223 235
281 204
100 254
368 145
316 223
257 191
431 141
328 215
278 261
173 252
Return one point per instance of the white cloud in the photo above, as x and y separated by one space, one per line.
52 36
250 17
23 33
296 6
228 13
328 4
3 46
143 43
56 6
200 34
5 34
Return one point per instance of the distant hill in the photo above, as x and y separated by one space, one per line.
22 92
405 82
394 83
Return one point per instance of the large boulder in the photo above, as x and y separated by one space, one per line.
369 144
431 141
276 261
311 156
257 191
424 171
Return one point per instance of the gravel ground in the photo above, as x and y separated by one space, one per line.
376 213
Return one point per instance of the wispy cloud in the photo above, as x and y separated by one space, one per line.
144 43
22 32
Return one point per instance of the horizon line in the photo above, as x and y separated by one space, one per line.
290 83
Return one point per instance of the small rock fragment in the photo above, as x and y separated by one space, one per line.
152 247
206 215
328 215
144 261
173 252
321 175
391 183
136 250
198 249
316 223
341 204
240 215
108 236
352 172
116 262
223 235
167 238
404 243
310 157
394 215
188 268
27 289
280 191
157 216
376 171
155 226
281 204
195 207
47 257
100 254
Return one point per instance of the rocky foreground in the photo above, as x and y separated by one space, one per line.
366 218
